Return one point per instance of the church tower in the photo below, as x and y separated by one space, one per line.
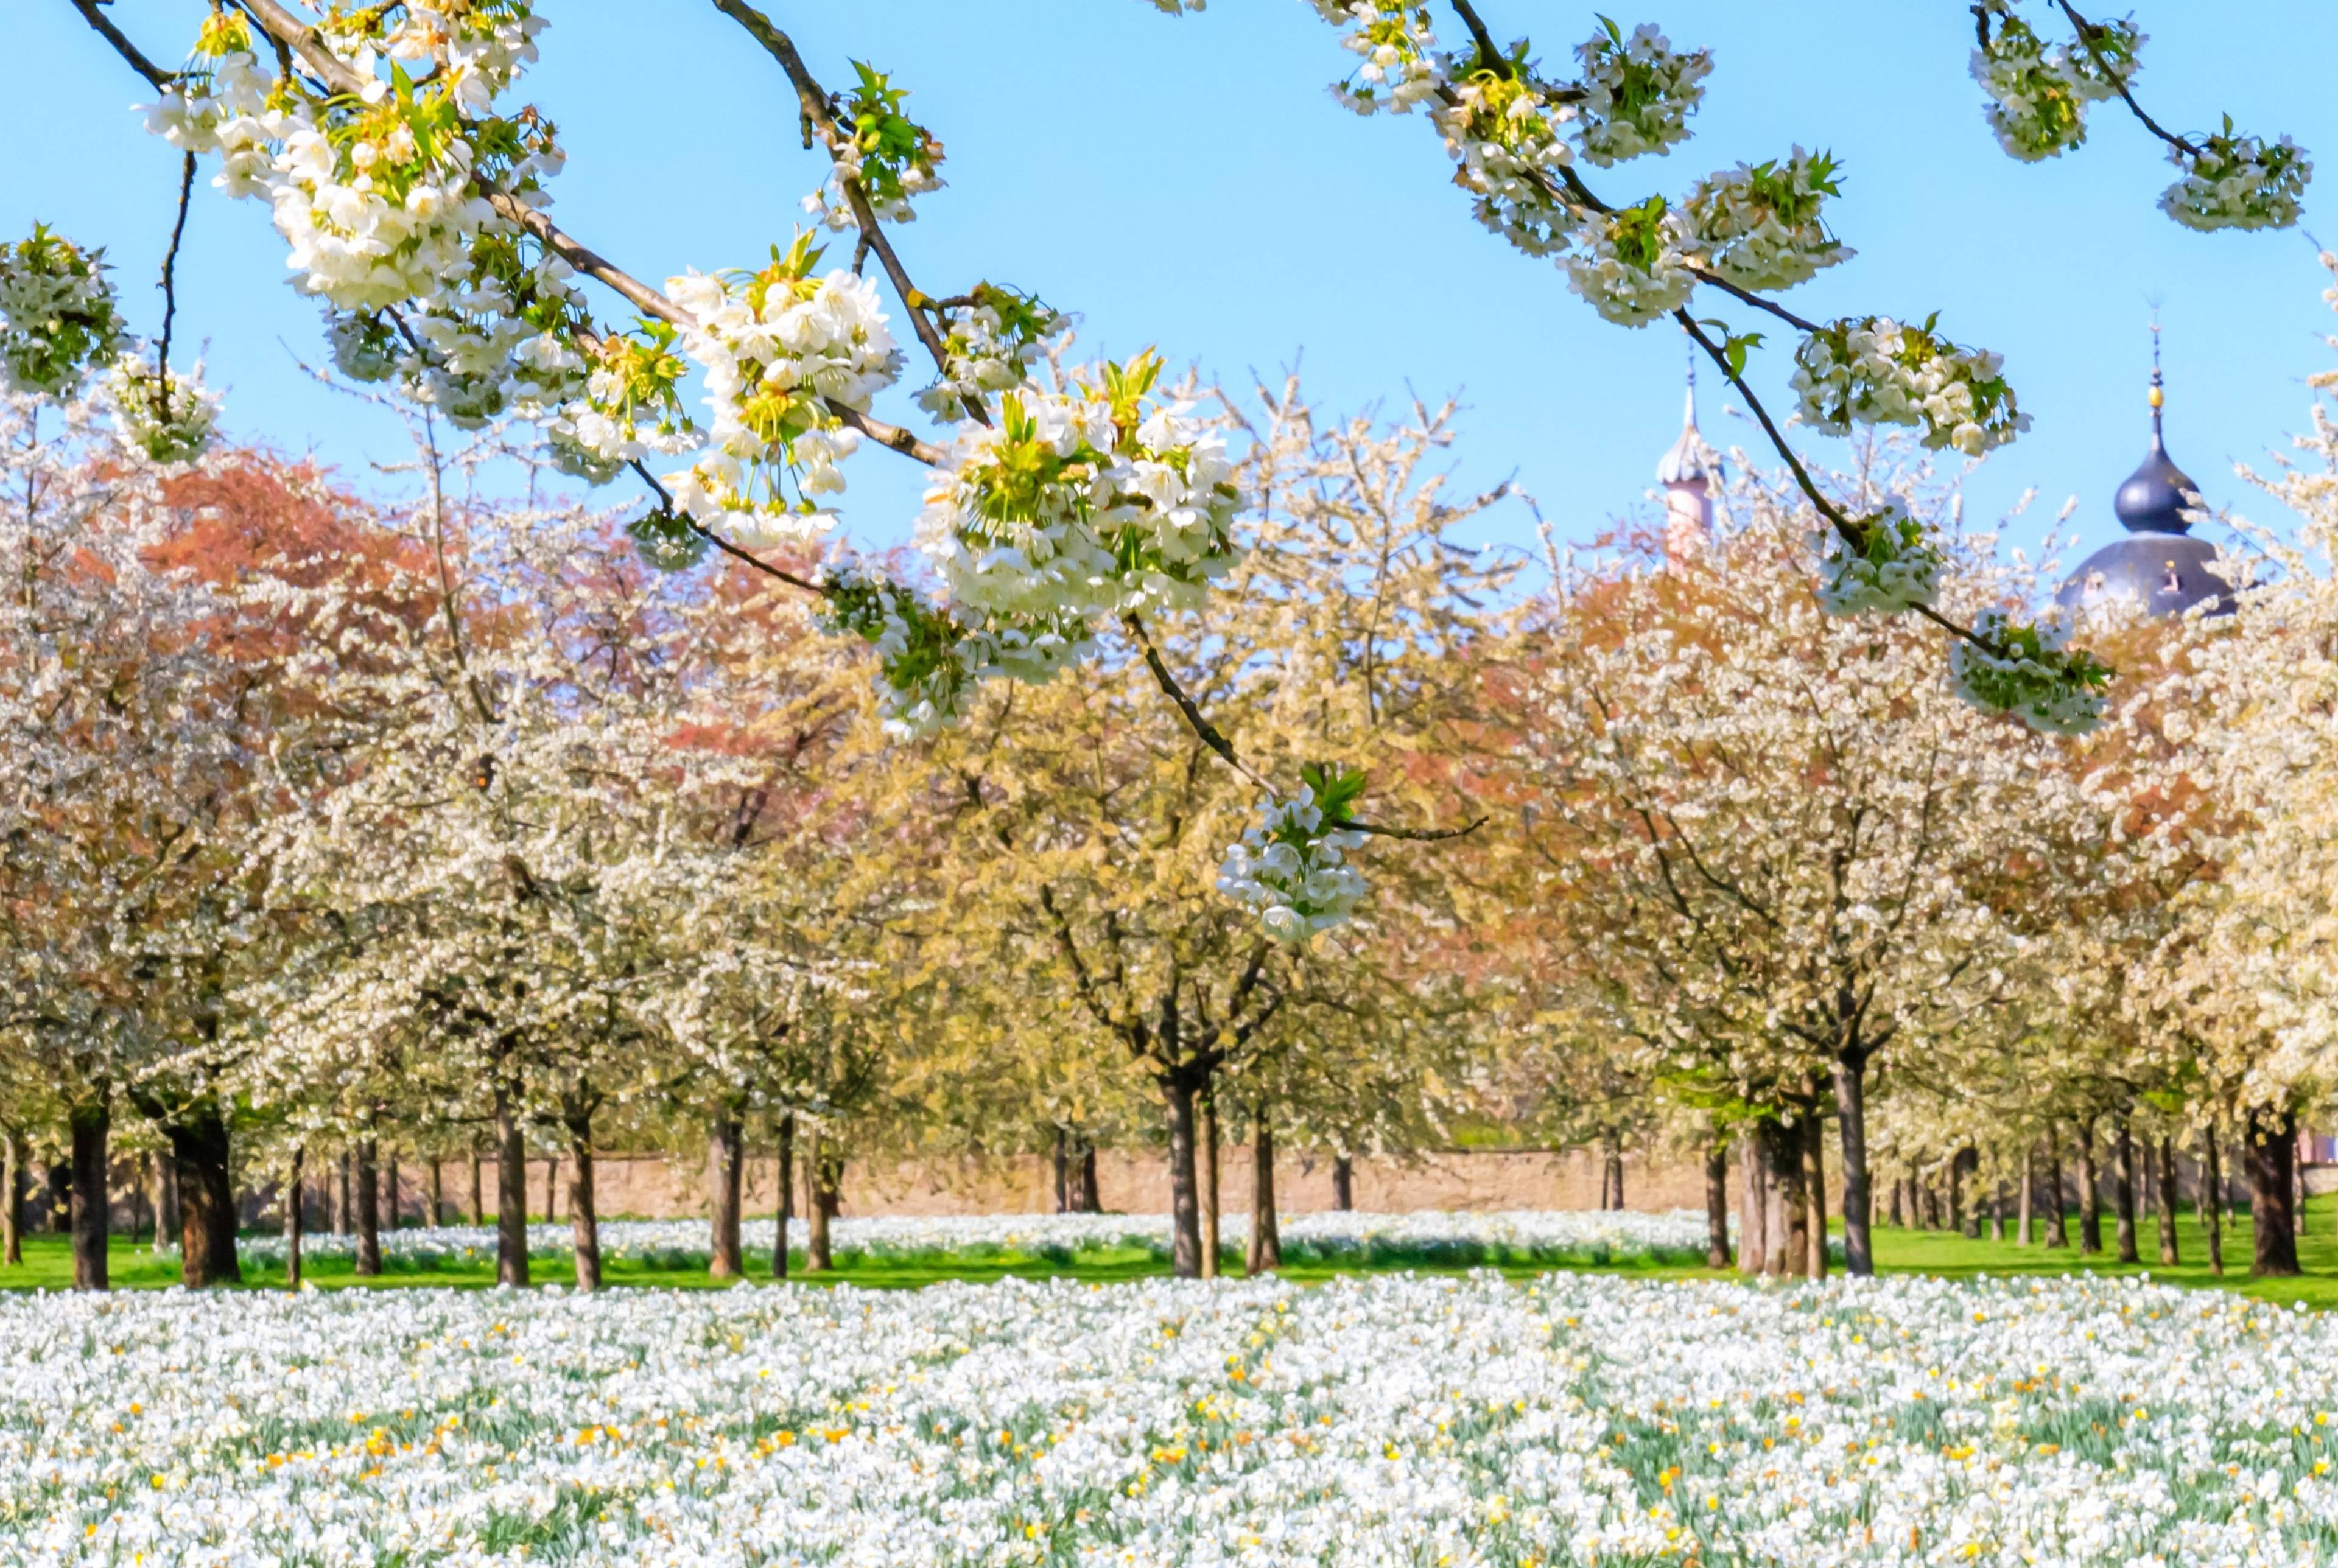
1689 471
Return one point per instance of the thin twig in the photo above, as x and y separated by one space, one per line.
665 504
170 293
1416 835
1756 300
1195 720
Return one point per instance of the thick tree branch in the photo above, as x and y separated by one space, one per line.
103 26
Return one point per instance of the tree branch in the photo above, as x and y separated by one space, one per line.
103 26
2086 30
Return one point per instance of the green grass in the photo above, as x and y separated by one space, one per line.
48 1264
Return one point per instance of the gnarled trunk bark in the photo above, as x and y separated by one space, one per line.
725 1157
1184 1184
89 1123
294 1220
1791 1250
368 1208
1717 1205
1091 1192
1753 1204
2273 1157
2090 1197
2212 1210
785 1219
827 1199
583 1215
199 1152
1814 1195
1265 1238
1209 1156
1858 1183
1343 1184
2123 1186
511 1190
1612 1180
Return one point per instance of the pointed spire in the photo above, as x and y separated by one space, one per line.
2158 386
1689 460
2155 496
1688 472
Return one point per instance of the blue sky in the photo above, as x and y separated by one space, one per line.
1187 182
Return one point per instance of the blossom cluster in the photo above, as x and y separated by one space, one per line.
1893 568
888 157
632 406
1504 131
57 315
1104 499
2039 92
1381 1421
1401 66
994 335
1637 92
933 655
1874 371
1630 265
1290 864
2237 182
1760 226
164 414
782 350
2031 673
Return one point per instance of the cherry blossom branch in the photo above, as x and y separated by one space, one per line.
818 113
2087 34
288 30
1195 720
105 29
1482 38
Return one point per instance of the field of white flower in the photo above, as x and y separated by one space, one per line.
1515 1237
1391 1420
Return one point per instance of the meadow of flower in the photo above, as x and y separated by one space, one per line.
1391 1420
1516 1237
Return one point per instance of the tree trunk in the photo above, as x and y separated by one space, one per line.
1793 1256
1613 1180
1209 1185
1717 1205
1956 1173
2058 1226
389 1193
199 1154
2090 1197
12 1200
1898 1219
1813 1128
2123 1186
1343 1185
725 1156
1265 1253
90 1121
434 1193
2169 1196
1184 1186
583 1215
551 1189
166 1201
293 1219
368 1209
1753 1204
785 1221
826 1197
1998 1200
2273 1157
1063 1160
2024 1233
478 1213
2212 1210
342 1221
511 1191
1967 1164
1091 1193
1857 1181
1928 1202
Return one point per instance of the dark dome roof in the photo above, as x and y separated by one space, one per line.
2153 498
2166 573
2159 565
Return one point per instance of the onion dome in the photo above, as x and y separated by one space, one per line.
2159 565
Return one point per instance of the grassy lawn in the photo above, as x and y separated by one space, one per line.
48 1264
